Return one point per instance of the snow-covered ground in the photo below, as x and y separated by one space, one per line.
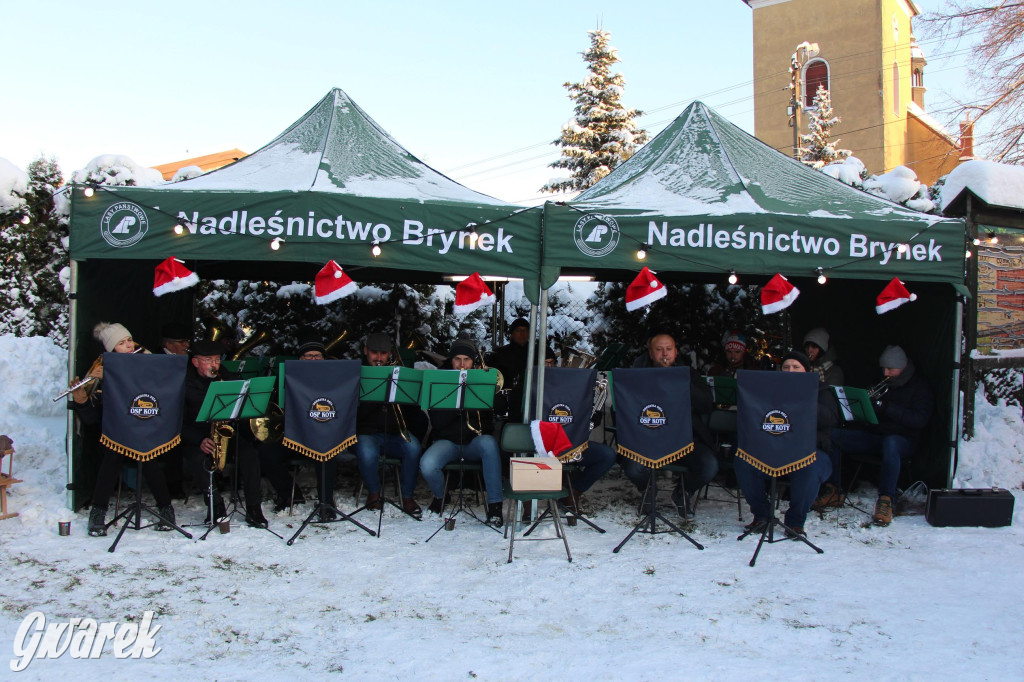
905 602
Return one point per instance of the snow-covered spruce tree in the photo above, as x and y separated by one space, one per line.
820 149
602 133
15 312
47 256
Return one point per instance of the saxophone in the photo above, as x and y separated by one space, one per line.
220 433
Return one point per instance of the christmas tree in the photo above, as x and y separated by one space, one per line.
820 149
602 133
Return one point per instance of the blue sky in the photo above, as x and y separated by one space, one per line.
474 89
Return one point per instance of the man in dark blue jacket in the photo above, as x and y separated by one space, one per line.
903 410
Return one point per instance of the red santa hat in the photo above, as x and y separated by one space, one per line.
472 293
331 284
893 296
777 295
549 438
172 275
644 290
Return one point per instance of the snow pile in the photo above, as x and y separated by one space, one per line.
900 185
187 173
996 456
850 171
114 169
245 605
13 186
997 184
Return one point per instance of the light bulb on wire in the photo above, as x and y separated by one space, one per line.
88 191
275 243
902 248
375 249
641 253
732 277
821 275
26 219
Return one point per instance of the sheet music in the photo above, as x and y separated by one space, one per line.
240 400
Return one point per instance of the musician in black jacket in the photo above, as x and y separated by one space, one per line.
903 407
701 464
466 434
198 447
804 482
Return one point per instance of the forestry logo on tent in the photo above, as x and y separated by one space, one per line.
124 224
596 234
144 406
775 423
322 410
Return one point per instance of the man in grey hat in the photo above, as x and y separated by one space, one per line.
823 357
903 405
382 429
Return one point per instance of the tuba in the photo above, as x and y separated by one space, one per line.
270 427
330 345
220 433
256 338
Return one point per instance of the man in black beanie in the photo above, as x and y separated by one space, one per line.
903 405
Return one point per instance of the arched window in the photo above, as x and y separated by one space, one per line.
917 78
896 88
815 74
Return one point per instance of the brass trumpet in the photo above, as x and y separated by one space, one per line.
880 389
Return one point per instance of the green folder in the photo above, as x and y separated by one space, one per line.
247 368
242 399
453 389
723 390
855 404
390 384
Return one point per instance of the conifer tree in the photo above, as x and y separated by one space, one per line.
602 132
820 149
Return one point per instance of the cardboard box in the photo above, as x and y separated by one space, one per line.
536 473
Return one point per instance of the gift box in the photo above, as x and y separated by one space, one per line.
536 473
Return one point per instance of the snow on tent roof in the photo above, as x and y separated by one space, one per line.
336 148
702 164
997 184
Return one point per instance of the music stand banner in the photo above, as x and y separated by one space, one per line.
653 422
143 403
777 420
322 399
569 401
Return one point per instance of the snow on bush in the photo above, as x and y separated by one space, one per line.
13 186
114 169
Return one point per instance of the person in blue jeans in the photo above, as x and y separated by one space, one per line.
803 483
465 434
903 408
382 428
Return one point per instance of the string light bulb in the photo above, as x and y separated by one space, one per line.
902 248
968 254
26 219
732 277
275 244
992 238
821 275
375 249
976 241
641 253
88 191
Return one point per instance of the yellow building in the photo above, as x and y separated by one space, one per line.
874 70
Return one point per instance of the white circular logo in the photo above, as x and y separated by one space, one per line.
123 224
596 234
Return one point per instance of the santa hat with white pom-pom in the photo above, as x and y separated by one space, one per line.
172 275
893 296
331 284
644 290
471 294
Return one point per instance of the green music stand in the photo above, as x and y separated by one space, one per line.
453 389
855 404
723 390
458 389
247 368
231 401
390 385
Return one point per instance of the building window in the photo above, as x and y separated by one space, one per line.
917 78
896 88
815 74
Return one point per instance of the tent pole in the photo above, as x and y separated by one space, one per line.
69 446
542 346
971 322
954 426
531 354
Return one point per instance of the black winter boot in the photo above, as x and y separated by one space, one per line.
97 521
166 520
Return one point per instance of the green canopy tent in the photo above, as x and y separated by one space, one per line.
704 199
331 186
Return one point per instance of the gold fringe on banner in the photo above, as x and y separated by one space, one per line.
319 456
775 471
655 463
135 454
573 454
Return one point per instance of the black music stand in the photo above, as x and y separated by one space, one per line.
132 513
232 401
768 531
389 385
461 390
649 523
755 391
